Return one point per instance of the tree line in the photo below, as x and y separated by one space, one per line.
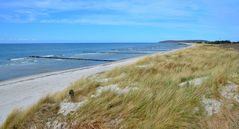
220 42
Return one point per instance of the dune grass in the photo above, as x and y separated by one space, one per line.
156 102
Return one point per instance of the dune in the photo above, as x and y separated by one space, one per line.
23 92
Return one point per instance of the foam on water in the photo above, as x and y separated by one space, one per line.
49 56
17 59
20 61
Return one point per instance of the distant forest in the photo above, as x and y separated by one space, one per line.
200 41
220 42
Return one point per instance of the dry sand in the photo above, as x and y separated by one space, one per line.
23 92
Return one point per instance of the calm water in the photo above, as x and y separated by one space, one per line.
15 61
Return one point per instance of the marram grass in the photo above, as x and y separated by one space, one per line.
157 103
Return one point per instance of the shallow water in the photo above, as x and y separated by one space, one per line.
15 61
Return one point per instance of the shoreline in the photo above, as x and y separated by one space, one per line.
41 75
25 91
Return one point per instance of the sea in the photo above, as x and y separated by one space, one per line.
20 60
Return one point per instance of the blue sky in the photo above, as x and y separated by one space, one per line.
117 20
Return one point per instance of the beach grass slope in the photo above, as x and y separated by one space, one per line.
191 88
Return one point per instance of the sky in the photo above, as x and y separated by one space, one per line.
40 21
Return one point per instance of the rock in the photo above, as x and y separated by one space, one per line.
212 106
57 125
68 107
229 91
195 82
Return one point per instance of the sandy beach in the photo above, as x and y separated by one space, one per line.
23 92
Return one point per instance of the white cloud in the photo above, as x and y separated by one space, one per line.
135 12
